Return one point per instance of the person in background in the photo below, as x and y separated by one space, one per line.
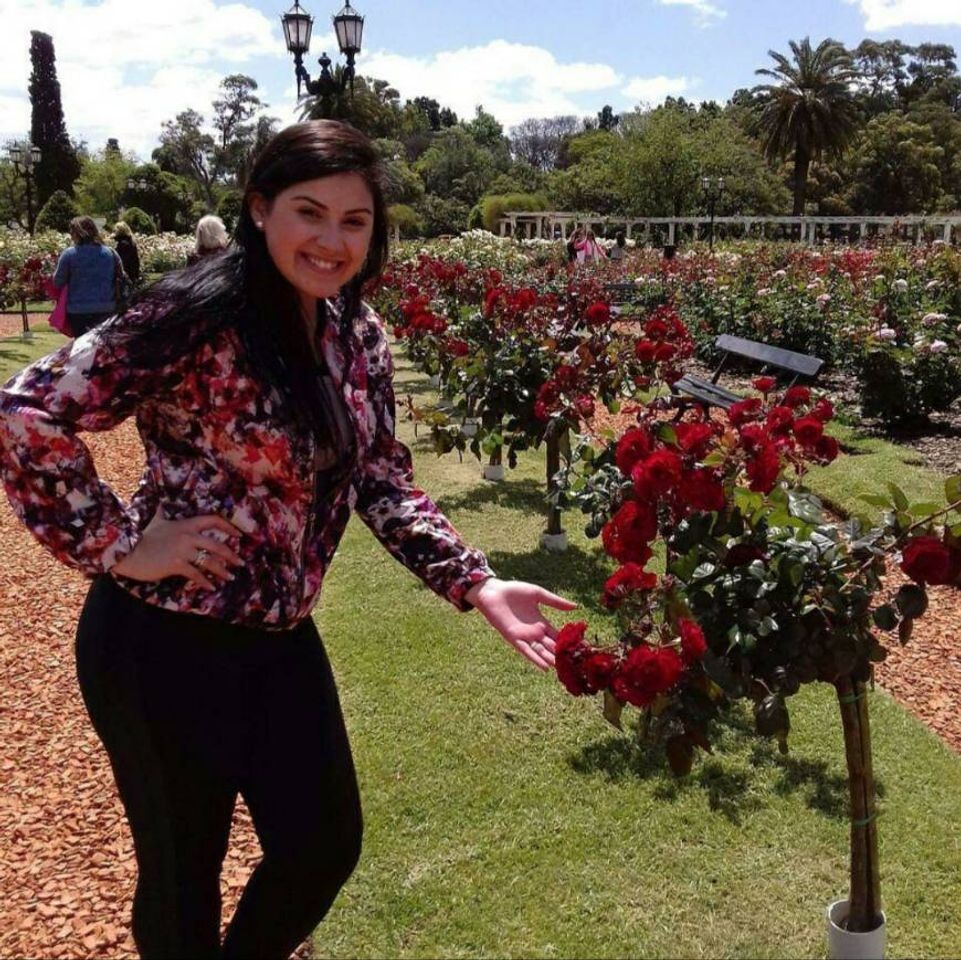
588 249
127 249
211 239
576 237
618 251
93 274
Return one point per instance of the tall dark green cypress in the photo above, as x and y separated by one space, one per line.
59 166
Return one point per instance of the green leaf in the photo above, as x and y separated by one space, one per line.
900 500
911 600
924 509
876 500
667 434
614 407
952 488
612 710
804 506
885 617
767 627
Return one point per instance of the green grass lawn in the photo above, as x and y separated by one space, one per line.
505 818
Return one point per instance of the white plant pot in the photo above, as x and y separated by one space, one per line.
434 380
554 542
845 945
469 428
493 471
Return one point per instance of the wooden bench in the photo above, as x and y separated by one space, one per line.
621 292
711 394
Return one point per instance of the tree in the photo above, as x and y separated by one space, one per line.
455 167
187 150
373 108
809 110
897 170
13 195
880 74
57 212
233 111
59 166
607 119
103 181
540 142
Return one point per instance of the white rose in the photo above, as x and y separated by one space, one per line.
931 318
900 286
886 333
938 346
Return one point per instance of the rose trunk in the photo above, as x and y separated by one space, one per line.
865 896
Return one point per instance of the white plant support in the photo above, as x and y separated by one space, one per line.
434 380
493 471
554 542
845 945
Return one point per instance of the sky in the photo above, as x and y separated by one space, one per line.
125 66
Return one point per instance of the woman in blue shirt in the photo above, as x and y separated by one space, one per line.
93 272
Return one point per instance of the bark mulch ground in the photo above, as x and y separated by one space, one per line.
67 873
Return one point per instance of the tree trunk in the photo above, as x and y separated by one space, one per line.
865 896
802 162
558 441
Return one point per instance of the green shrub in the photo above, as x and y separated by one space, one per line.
139 221
57 213
229 207
443 215
493 207
406 219
899 385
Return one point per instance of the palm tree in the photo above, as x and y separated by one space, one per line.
810 110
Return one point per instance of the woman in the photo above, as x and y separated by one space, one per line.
127 251
588 249
618 252
93 274
211 238
576 237
261 384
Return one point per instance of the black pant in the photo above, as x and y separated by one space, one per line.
193 710
80 323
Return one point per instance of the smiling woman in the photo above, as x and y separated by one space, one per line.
261 384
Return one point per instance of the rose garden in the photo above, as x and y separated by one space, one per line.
725 752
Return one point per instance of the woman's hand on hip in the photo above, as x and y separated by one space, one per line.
512 608
182 548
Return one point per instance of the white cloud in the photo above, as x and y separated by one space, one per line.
514 81
705 11
125 66
884 14
652 90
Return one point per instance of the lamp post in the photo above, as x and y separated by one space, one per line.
349 27
142 185
25 157
713 187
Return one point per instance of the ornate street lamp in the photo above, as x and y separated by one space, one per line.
25 157
713 187
349 28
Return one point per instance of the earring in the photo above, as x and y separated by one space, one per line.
259 224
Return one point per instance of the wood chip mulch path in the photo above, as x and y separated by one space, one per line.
67 869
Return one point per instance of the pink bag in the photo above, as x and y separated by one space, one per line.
58 317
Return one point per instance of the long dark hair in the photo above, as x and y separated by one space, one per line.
242 288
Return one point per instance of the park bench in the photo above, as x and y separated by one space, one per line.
621 292
710 393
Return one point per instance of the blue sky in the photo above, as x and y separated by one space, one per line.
126 65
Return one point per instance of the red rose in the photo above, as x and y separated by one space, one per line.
744 411
780 419
634 445
598 313
627 534
656 329
694 438
569 649
929 560
439 325
598 668
797 397
642 382
763 468
626 580
400 332
764 384
644 350
664 351
808 430
741 554
458 348
657 474
645 673
566 376
541 411
753 437
585 406
827 449
823 410
693 644
702 490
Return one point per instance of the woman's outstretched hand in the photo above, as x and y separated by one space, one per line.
512 608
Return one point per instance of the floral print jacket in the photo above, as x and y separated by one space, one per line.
214 444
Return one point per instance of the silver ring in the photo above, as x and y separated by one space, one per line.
536 645
202 555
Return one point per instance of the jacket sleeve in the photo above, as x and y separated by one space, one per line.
61 275
405 520
47 471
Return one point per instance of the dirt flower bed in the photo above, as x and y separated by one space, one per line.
68 872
